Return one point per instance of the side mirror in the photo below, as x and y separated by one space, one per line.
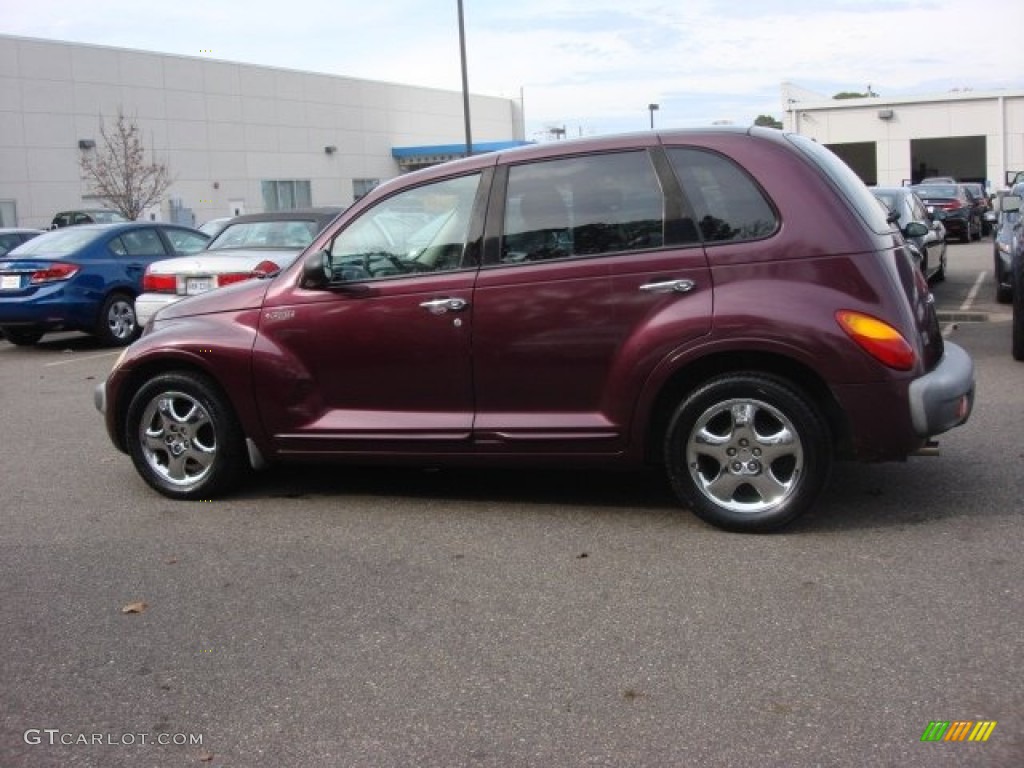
915 229
316 270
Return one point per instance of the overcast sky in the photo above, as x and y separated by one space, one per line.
591 66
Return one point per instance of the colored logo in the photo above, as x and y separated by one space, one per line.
958 730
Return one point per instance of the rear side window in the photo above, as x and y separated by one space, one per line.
139 242
582 206
727 204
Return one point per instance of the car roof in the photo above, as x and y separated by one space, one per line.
583 145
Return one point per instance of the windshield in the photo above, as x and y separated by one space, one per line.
56 243
292 234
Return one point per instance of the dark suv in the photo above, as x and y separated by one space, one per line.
86 216
700 300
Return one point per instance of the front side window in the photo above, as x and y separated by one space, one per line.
422 229
726 202
582 206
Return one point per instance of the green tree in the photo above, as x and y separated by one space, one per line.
118 173
767 121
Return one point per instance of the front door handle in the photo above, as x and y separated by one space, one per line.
440 306
668 286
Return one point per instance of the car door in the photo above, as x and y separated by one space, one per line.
134 250
379 361
589 280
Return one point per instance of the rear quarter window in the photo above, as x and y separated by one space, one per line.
727 204
845 180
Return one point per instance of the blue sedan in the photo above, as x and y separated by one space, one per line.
85 278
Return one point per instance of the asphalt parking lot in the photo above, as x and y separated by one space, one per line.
328 617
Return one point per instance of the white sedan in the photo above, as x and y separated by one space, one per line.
250 246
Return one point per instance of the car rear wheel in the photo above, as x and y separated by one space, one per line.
21 337
1017 332
117 325
184 438
748 452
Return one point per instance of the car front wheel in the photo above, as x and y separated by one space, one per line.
748 452
184 438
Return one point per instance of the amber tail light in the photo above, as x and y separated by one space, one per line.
878 339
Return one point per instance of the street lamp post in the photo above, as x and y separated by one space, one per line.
653 108
465 82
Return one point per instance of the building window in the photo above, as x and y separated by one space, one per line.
286 195
362 187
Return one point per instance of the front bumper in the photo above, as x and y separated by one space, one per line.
943 398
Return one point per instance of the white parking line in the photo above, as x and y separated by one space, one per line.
82 359
973 293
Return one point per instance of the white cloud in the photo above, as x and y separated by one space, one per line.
597 64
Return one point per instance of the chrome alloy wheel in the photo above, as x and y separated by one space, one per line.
745 455
177 438
121 319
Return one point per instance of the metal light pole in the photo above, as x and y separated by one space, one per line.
465 83
652 107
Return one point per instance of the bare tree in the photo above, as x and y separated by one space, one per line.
118 173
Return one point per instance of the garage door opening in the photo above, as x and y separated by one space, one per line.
962 157
861 156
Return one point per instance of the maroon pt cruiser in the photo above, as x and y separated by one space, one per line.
730 304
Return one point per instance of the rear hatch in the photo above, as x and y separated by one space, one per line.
896 257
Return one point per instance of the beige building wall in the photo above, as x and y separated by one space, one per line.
892 125
222 127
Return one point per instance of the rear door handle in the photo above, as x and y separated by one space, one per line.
440 306
668 286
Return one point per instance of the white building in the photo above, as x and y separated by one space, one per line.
236 137
971 136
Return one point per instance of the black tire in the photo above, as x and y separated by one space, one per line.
117 325
978 230
1017 281
727 478
940 273
1004 291
22 337
183 437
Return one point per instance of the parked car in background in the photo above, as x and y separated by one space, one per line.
86 216
1008 243
960 213
702 300
982 202
938 180
84 278
923 232
12 237
249 246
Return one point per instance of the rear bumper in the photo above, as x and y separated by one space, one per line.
943 398
147 305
